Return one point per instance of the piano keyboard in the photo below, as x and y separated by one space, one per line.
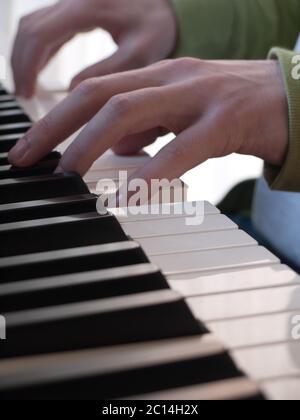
135 307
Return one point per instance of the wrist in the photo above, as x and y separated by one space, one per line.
286 177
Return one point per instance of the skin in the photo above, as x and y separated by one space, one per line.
144 30
214 108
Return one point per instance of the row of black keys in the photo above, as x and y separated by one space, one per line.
71 279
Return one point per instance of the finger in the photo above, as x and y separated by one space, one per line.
34 43
189 149
131 145
127 57
22 40
73 112
135 112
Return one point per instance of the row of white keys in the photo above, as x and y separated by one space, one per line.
246 303
162 211
110 172
276 367
198 251
246 297
109 166
283 388
110 162
222 259
100 183
257 330
167 227
226 281
199 241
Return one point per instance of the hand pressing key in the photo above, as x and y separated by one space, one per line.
215 108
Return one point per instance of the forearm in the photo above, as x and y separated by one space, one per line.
222 29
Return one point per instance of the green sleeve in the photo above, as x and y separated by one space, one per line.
287 177
247 29
235 29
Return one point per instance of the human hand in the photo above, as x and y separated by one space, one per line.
215 108
144 30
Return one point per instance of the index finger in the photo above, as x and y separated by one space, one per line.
73 112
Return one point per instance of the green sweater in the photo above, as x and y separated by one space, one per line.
248 29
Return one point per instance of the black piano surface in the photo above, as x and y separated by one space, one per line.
87 315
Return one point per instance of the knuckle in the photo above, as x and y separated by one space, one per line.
87 87
27 29
119 105
162 65
177 153
189 62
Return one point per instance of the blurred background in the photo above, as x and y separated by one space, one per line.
210 181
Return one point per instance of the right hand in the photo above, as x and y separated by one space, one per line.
144 30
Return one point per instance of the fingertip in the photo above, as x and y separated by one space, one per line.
18 152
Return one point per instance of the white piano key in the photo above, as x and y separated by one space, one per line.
254 331
160 211
287 389
202 261
15 125
110 186
94 176
157 228
267 362
5 98
110 161
231 389
200 284
246 304
8 105
195 242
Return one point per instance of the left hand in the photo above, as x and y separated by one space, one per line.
215 108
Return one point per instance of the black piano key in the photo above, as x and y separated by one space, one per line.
117 372
4 159
16 128
7 142
45 167
13 116
43 209
3 91
41 187
79 287
53 156
55 233
102 322
8 172
68 261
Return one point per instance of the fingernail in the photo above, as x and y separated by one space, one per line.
17 153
